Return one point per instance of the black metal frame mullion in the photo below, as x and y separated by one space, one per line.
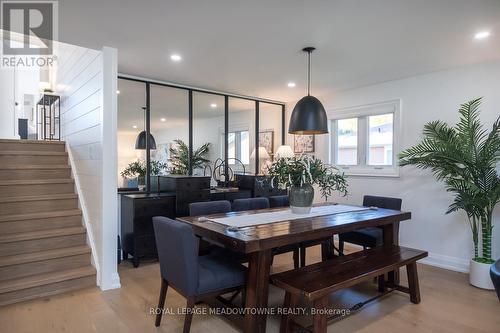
257 164
226 138
190 112
148 133
283 120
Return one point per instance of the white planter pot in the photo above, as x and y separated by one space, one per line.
479 275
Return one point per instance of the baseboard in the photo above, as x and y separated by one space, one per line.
447 262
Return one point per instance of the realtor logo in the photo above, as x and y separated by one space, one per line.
29 27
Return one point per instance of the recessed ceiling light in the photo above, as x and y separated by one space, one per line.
118 92
482 35
291 84
134 127
163 119
175 57
213 105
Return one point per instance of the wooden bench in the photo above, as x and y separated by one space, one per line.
316 282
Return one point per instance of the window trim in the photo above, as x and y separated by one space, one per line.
362 112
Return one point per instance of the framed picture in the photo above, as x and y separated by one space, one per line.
266 140
303 143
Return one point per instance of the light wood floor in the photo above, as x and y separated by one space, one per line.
449 304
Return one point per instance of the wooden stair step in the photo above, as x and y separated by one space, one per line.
43 255
31 145
44 215
33 281
32 157
37 203
37 187
35 182
50 233
32 153
35 167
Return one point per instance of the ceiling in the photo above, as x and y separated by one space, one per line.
253 47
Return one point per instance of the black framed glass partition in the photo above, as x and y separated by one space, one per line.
186 119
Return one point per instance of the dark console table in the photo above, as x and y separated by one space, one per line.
137 234
259 185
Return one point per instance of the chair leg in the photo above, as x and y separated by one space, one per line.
161 301
341 248
320 319
411 270
381 283
296 259
189 315
302 256
290 302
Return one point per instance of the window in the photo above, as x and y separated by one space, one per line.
239 147
363 139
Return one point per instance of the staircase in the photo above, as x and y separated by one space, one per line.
43 248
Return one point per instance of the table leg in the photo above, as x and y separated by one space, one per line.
391 237
327 251
257 290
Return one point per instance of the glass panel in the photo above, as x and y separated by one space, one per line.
242 127
208 128
347 141
170 127
270 117
380 137
131 100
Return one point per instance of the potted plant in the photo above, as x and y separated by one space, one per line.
137 169
299 174
464 157
179 157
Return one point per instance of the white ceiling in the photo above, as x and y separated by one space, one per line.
253 47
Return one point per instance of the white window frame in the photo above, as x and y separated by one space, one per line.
362 112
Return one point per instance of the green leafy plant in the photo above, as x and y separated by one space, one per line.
179 157
464 157
138 169
305 169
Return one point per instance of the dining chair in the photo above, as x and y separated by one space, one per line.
495 277
373 236
279 201
194 277
209 207
250 204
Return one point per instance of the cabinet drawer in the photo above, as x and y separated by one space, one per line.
193 184
193 196
155 207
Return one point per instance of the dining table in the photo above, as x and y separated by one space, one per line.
278 227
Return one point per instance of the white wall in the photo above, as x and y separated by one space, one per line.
424 98
86 119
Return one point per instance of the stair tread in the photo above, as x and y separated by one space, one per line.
37 181
34 167
23 236
43 255
45 142
43 215
44 279
40 197
33 152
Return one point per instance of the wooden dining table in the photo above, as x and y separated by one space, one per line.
257 242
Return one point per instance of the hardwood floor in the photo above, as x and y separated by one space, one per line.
449 304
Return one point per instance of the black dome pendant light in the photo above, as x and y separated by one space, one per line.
308 115
140 142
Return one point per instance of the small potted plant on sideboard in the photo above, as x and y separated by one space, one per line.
464 158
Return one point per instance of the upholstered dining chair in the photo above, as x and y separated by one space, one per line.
194 277
495 277
250 204
370 237
279 201
209 207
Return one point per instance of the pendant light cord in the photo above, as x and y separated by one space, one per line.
308 73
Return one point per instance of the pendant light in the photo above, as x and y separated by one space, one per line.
308 115
140 142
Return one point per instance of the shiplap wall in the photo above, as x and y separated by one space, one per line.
80 83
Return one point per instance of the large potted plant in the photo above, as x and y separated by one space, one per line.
464 158
179 157
299 174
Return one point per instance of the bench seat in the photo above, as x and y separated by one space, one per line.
316 282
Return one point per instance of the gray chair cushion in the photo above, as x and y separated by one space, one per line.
369 237
495 277
279 201
250 203
219 272
209 207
